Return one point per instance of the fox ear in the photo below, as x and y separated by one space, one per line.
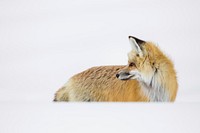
136 43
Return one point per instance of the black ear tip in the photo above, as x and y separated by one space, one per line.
139 41
130 37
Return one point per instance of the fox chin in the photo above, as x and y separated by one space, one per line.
149 76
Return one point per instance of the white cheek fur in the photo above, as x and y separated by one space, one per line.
135 74
151 86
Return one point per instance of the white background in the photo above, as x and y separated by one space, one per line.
43 43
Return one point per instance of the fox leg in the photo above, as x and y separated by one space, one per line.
61 95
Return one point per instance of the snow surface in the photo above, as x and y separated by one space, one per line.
45 117
43 43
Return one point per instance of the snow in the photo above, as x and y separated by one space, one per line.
99 117
43 43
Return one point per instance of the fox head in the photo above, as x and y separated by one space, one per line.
152 68
141 62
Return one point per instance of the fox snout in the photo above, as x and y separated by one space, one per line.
124 75
117 75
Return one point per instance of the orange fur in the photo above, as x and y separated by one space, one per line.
166 66
101 84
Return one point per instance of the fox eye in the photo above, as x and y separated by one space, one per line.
132 64
137 55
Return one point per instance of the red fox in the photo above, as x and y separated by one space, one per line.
149 76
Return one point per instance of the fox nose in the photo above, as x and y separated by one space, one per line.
117 75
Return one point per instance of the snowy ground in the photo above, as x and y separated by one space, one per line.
43 43
45 117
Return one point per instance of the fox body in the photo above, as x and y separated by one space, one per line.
148 76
